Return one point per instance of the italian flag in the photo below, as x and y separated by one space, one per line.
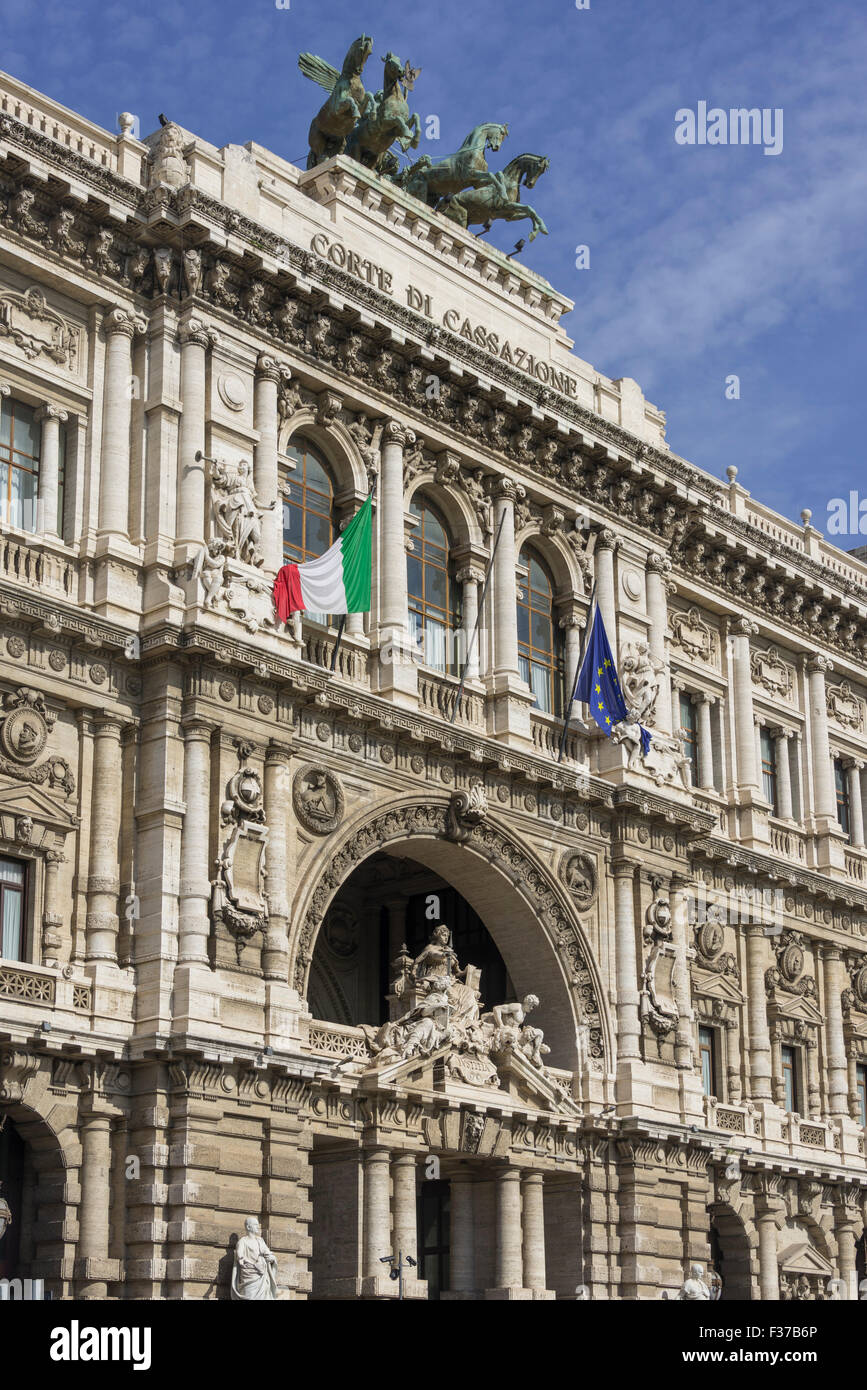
336 582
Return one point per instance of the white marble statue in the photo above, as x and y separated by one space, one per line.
694 1288
254 1274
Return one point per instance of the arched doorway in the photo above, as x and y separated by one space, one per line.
390 903
522 906
13 1153
730 1254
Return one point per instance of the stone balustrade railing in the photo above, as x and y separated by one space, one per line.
437 695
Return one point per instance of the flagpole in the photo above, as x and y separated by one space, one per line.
578 666
342 623
479 611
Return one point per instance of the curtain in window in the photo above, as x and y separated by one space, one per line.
11 908
20 436
540 658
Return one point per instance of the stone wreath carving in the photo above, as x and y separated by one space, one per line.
318 800
578 873
24 730
531 880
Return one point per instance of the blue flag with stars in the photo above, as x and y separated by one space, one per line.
598 683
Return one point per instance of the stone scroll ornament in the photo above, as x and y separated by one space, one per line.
657 993
238 899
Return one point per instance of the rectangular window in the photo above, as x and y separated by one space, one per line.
707 1053
861 1089
841 786
769 768
433 1236
689 735
790 1078
12 882
20 436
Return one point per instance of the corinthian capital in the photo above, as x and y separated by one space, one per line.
195 331
119 321
396 432
606 539
820 663
269 369
658 564
743 627
505 487
47 411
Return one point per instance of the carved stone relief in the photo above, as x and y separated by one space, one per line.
34 328
692 635
318 799
844 707
772 673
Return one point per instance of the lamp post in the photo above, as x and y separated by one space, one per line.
397 1268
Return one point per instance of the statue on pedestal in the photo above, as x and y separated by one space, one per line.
254 1273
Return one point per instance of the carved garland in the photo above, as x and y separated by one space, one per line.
432 821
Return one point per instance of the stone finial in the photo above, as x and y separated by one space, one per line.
731 472
806 516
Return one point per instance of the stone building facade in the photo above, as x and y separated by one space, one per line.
221 859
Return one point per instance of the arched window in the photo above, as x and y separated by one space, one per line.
540 657
434 611
308 528
20 435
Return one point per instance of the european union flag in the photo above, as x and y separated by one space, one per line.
598 683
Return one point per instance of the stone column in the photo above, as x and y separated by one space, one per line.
852 1060
658 566
93 1210
114 465
784 776
277 797
628 1027
824 799
462 1245
52 918
533 1200
705 741
778 1087
856 812
758 726
195 875
404 1238
393 600
51 418
509 1261
471 579
835 981
769 1274
572 625
683 1047
195 340
814 1085
846 1225
377 1228
505 581
760 1042
742 679
269 375
606 544
103 884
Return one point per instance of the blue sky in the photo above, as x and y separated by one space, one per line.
705 261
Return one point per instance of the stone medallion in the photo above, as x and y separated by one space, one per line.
23 734
318 799
578 872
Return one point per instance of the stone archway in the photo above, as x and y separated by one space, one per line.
524 907
41 1159
731 1252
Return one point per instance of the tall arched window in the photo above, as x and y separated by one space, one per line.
434 610
308 528
540 656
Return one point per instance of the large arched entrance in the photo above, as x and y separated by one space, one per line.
500 886
730 1253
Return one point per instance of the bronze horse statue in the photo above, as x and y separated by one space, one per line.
387 119
500 198
466 168
347 103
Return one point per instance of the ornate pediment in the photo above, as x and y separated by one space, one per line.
24 803
37 330
714 985
772 673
